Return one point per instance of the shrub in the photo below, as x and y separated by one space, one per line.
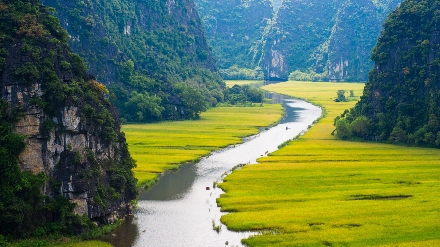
343 129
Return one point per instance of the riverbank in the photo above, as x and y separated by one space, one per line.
181 207
163 146
319 191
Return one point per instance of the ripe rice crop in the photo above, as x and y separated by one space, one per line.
161 146
320 191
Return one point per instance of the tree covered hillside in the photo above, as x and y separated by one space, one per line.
63 159
324 40
235 30
151 54
401 101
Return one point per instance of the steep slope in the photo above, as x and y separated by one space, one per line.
152 52
235 31
329 39
401 101
60 135
301 29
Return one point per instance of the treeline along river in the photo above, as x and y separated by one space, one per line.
180 210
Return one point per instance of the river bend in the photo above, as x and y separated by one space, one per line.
179 210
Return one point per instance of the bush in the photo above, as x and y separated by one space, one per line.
343 129
360 126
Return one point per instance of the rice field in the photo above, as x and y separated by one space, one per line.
161 146
319 191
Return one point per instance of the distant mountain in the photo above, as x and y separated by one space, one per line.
330 39
401 101
235 31
152 54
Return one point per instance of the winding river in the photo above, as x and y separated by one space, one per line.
180 211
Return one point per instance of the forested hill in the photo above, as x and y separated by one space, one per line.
152 54
235 30
63 159
401 101
330 39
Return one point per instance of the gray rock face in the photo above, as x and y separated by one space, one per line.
106 33
53 154
70 148
333 38
235 30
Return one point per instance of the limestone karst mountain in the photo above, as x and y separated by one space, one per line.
235 31
60 139
151 54
324 40
401 99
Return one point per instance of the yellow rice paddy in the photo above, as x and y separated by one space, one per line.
319 191
161 146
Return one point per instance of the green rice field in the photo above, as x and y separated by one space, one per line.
319 191
162 146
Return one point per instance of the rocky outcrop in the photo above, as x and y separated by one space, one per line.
147 47
330 38
401 102
235 30
72 132
299 30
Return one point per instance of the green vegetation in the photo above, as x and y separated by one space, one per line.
151 54
235 31
254 83
242 95
297 75
236 73
320 40
34 55
59 243
161 146
320 191
86 244
401 103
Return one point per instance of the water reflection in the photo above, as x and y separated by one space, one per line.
124 236
172 186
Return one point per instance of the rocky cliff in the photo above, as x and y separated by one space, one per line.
151 52
401 99
72 131
332 39
235 30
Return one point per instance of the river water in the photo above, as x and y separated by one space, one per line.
180 211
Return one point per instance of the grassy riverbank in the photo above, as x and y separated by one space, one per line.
319 191
161 146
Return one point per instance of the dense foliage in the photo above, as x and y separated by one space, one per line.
401 101
239 95
152 52
235 31
331 39
34 54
